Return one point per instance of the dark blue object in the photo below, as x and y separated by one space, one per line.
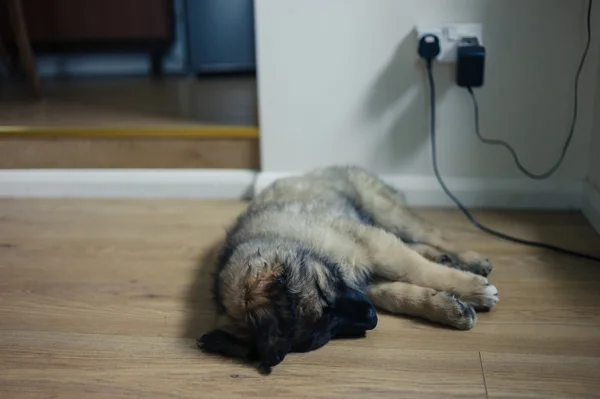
470 63
221 35
429 47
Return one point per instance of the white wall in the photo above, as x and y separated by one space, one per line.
340 82
594 168
591 201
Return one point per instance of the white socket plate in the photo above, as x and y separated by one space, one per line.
450 35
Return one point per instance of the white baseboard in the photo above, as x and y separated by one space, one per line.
422 191
241 184
127 183
591 205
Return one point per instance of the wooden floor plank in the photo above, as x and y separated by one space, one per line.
540 376
69 364
104 298
129 153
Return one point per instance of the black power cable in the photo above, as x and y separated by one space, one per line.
554 168
459 204
464 210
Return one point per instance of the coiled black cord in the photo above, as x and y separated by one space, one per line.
565 148
459 204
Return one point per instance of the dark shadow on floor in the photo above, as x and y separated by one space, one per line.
201 311
200 308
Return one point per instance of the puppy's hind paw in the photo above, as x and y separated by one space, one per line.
475 263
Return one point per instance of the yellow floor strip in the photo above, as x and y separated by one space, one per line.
174 131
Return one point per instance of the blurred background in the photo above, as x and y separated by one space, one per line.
127 69
133 132
176 84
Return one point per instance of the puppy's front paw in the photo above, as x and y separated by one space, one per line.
482 295
457 313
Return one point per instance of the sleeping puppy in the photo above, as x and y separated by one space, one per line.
312 257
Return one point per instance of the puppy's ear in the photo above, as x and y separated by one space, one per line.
273 343
273 319
354 311
221 342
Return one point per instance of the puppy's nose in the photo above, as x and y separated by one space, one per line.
371 319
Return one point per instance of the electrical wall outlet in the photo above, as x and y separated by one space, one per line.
450 35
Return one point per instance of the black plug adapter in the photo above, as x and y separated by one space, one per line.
429 47
470 63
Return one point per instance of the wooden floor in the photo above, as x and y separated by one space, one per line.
133 101
103 299
127 153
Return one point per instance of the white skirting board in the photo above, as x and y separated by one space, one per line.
240 184
591 205
127 183
424 191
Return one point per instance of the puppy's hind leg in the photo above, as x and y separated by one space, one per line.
463 260
426 303
391 259
387 209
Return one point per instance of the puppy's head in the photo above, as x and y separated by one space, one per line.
259 308
274 304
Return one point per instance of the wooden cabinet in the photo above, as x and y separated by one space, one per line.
96 26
